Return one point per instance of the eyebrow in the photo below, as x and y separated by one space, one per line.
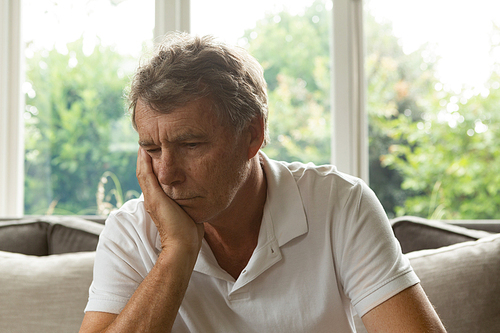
180 138
145 143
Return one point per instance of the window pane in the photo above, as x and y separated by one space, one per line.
291 41
433 99
80 147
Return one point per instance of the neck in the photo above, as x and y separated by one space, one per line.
234 236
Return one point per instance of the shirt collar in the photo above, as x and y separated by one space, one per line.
284 201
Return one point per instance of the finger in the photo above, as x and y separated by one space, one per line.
145 175
144 165
172 222
156 202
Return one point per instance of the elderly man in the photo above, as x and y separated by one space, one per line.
225 239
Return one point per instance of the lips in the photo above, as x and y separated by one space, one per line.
182 201
184 197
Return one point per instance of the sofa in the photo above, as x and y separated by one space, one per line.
458 263
45 273
46 269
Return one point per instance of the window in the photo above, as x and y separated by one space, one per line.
432 145
433 101
80 148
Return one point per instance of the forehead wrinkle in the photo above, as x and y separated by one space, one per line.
180 124
146 120
175 136
189 136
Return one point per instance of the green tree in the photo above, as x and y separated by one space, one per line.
74 110
294 51
450 157
400 88
452 161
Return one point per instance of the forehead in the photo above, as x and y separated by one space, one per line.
195 118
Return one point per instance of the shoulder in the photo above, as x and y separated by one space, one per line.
131 215
131 226
311 172
326 181
330 196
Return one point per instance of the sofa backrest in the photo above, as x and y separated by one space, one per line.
416 233
49 235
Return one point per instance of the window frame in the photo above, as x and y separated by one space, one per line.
11 106
349 137
349 140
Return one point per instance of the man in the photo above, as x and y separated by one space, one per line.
225 239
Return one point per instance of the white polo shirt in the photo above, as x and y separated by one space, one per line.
325 246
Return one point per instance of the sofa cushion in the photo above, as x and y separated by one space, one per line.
462 282
72 234
49 235
415 233
28 237
44 294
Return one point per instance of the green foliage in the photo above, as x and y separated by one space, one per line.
452 161
73 112
399 87
294 51
449 156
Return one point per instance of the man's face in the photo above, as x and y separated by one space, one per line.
199 163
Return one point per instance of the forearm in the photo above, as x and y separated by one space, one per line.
408 311
153 306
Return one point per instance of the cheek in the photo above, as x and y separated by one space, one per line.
200 172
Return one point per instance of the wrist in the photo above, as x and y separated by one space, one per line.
182 243
179 255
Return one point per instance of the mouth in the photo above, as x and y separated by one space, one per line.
184 201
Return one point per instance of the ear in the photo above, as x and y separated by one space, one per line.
255 136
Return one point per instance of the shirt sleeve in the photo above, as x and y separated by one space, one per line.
371 265
125 254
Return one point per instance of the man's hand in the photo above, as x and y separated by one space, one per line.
175 226
154 305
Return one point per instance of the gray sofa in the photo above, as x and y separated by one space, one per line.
46 269
458 263
45 273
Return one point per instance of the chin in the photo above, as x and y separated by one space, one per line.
198 219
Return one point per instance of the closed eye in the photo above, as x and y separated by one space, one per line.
153 150
192 145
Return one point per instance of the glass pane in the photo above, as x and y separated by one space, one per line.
291 41
433 99
80 146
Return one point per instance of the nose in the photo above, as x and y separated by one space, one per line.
169 169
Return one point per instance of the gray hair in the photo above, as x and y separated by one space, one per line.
185 68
